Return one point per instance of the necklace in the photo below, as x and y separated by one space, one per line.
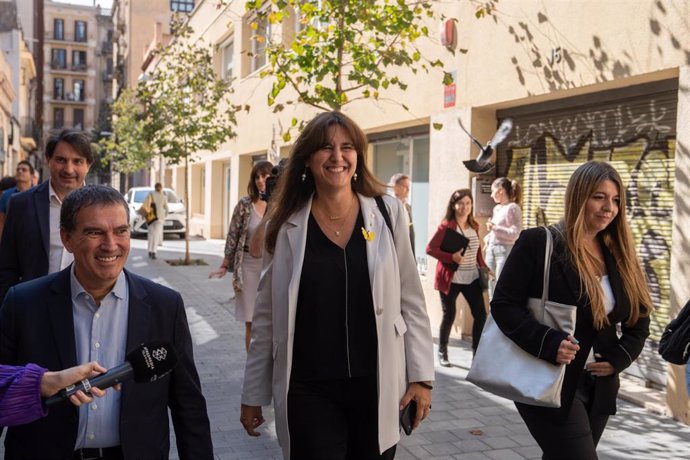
331 217
336 232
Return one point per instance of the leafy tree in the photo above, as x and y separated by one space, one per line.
185 104
127 149
343 50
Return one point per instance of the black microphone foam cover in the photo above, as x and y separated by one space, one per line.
152 361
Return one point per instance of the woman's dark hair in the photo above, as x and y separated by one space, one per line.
450 209
86 196
511 187
77 139
7 182
292 193
260 168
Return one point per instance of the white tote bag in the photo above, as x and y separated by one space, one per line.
501 367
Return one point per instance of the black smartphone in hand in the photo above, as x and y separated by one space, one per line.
407 416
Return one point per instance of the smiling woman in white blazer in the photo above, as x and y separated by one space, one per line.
326 183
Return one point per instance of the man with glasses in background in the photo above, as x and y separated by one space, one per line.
23 177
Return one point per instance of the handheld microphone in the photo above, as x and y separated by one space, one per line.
146 363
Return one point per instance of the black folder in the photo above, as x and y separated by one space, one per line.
453 241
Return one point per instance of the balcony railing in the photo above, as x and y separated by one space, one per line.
66 37
69 97
30 128
106 47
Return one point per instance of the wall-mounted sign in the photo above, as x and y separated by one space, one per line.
447 33
481 190
449 92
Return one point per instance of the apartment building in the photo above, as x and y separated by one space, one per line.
580 80
76 52
138 26
7 96
18 125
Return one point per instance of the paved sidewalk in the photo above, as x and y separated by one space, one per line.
465 423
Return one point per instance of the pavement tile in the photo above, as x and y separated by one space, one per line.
458 406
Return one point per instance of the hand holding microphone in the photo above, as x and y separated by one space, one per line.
146 363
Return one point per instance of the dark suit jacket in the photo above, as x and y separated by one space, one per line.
36 325
25 243
522 277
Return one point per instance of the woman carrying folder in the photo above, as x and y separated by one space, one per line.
456 247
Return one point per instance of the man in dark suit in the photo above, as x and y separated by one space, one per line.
31 245
96 310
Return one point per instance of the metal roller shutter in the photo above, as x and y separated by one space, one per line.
633 128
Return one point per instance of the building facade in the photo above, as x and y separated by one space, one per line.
580 79
78 65
20 135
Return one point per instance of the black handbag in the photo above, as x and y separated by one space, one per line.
675 341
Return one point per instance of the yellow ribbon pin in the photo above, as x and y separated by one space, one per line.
368 235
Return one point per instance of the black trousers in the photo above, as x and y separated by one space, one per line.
570 436
335 420
475 298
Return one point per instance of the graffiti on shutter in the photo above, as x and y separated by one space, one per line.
637 136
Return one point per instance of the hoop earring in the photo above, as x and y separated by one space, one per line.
304 174
354 177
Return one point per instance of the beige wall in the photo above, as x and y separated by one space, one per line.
137 19
7 95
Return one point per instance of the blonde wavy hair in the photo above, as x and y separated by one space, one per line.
617 237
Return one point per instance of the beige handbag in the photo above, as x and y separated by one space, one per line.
501 367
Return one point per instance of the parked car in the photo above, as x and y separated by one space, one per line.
174 222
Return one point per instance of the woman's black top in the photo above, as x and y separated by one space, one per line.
335 328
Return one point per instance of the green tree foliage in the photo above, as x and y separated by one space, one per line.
342 50
185 105
126 148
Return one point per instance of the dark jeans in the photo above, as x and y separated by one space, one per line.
335 420
570 436
475 298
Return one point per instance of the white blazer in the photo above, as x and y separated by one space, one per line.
405 348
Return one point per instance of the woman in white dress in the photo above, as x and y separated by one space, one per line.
244 267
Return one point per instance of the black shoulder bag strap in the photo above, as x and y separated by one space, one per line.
384 212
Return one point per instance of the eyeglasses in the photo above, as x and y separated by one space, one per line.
22 169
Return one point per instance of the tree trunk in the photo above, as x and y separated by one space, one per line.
187 260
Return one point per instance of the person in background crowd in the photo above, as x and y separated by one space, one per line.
458 272
400 183
154 235
594 266
245 268
22 182
504 226
340 289
22 387
31 246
